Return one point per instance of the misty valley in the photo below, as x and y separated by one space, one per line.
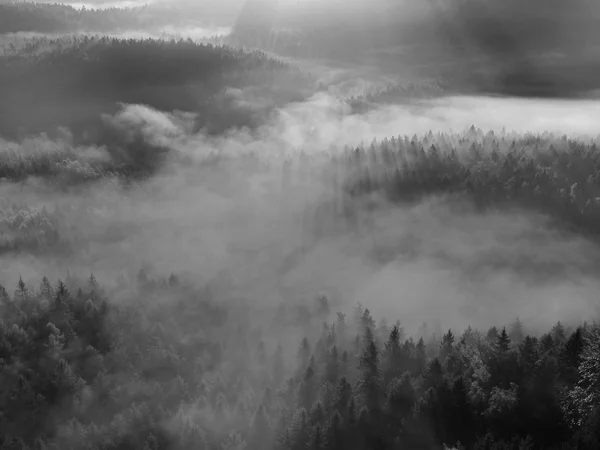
299 224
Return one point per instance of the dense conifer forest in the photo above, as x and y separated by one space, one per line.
83 372
33 17
80 78
202 248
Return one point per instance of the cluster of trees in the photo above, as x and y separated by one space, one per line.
156 363
60 18
29 230
554 175
71 81
398 93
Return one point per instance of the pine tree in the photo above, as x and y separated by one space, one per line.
558 333
316 439
401 397
433 376
341 327
517 333
278 366
392 353
62 294
357 316
573 348
334 435
21 292
393 343
304 353
503 342
446 346
299 431
234 441
586 395
371 379
317 414
420 356
461 414
173 281
4 297
492 334
343 395
382 331
307 389
547 344
93 283
351 414
332 369
528 352
151 443
260 435
364 427
367 327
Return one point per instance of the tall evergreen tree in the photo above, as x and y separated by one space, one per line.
371 379
446 346
517 331
261 431
503 342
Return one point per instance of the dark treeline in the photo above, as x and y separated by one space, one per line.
535 48
70 82
554 175
152 363
18 17
394 94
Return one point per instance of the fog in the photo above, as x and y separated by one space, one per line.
435 162
447 263
183 222
196 33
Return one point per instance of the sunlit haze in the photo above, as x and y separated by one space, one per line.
299 224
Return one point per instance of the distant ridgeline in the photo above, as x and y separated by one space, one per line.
327 28
539 48
72 81
60 18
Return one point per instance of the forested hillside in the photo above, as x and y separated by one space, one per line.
225 244
534 48
82 370
40 17
554 175
69 82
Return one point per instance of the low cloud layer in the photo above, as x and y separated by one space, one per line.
438 260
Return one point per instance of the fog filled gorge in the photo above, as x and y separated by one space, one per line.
213 236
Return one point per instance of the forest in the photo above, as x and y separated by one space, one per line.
233 244
52 18
84 372
80 78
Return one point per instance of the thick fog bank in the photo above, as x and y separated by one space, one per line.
325 120
254 222
165 32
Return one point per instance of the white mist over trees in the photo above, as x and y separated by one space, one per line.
293 237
